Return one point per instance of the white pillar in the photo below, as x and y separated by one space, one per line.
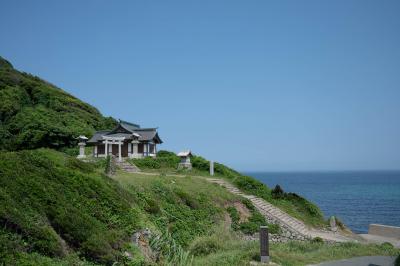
129 149
119 151
95 151
135 148
211 168
111 148
106 148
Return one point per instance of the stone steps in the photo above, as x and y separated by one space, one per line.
128 167
282 217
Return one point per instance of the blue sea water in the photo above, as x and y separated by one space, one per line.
357 198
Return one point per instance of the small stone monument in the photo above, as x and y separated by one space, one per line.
82 143
332 223
185 160
264 244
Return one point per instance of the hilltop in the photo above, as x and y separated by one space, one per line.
34 113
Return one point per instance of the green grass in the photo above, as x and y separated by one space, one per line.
188 207
222 248
55 205
298 207
57 210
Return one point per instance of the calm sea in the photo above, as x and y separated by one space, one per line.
357 198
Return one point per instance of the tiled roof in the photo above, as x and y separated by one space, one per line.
145 134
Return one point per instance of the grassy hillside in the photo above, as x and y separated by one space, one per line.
55 207
295 205
56 210
35 113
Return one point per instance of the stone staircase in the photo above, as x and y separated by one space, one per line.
274 214
127 167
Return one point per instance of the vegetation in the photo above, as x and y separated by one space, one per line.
57 210
253 223
53 204
223 248
293 204
35 113
188 207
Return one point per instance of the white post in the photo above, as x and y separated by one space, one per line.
129 149
135 148
95 151
111 148
211 168
119 151
106 148
145 149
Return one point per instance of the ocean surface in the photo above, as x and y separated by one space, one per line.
357 198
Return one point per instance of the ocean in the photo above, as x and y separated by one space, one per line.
357 198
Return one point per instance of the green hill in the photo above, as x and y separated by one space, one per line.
35 113
58 210
55 206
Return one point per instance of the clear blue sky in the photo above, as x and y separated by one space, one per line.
258 85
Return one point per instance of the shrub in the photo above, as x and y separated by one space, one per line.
277 192
234 214
249 228
317 240
205 246
152 206
249 205
387 245
171 251
110 167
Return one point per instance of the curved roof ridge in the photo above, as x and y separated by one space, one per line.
129 123
148 128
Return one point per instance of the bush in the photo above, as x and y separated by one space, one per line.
152 206
234 214
249 205
205 246
387 245
317 240
249 228
164 159
277 192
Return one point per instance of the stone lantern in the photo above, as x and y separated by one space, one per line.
185 159
82 143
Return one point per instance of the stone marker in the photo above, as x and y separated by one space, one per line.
211 168
82 143
332 223
264 245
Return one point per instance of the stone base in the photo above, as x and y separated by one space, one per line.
185 165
